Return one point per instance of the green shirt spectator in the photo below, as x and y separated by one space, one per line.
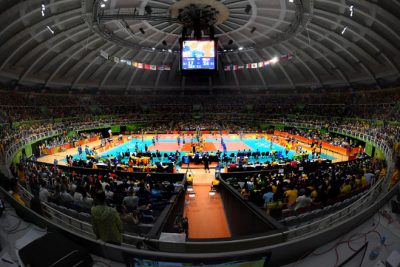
106 221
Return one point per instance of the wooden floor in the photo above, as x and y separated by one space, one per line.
206 214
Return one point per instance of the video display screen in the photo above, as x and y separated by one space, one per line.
198 55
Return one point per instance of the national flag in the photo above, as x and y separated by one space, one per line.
104 54
140 65
266 63
261 64
248 66
254 65
116 59
128 62
160 67
234 67
134 64
146 66
290 56
166 67
153 67
227 68
240 67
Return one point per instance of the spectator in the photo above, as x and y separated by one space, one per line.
304 200
131 201
106 221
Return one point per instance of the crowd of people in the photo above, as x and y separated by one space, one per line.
133 198
22 116
324 184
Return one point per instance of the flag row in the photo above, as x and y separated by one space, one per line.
261 64
134 64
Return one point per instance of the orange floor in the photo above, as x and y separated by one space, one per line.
206 214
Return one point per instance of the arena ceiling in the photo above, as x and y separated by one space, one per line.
58 43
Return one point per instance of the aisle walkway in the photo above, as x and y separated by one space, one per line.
205 213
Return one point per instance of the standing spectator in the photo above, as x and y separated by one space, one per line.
206 161
106 221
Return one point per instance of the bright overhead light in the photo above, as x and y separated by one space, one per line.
103 5
105 1
351 10
169 50
153 48
344 30
241 48
274 60
290 1
50 29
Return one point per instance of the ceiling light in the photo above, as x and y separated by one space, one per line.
241 48
274 60
290 1
102 5
344 30
169 50
153 48
50 29
351 10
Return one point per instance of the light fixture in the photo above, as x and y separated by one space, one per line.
43 9
344 30
189 189
169 50
102 5
274 60
351 10
153 48
50 29
290 1
192 195
241 48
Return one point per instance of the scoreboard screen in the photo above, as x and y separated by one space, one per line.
198 55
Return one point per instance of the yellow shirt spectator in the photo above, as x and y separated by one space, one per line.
345 188
291 196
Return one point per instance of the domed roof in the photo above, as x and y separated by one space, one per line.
65 43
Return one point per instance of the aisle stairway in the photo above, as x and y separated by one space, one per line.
205 213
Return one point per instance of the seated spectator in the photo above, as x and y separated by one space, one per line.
268 196
131 201
291 195
15 191
346 187
304 200
44 194
106 221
